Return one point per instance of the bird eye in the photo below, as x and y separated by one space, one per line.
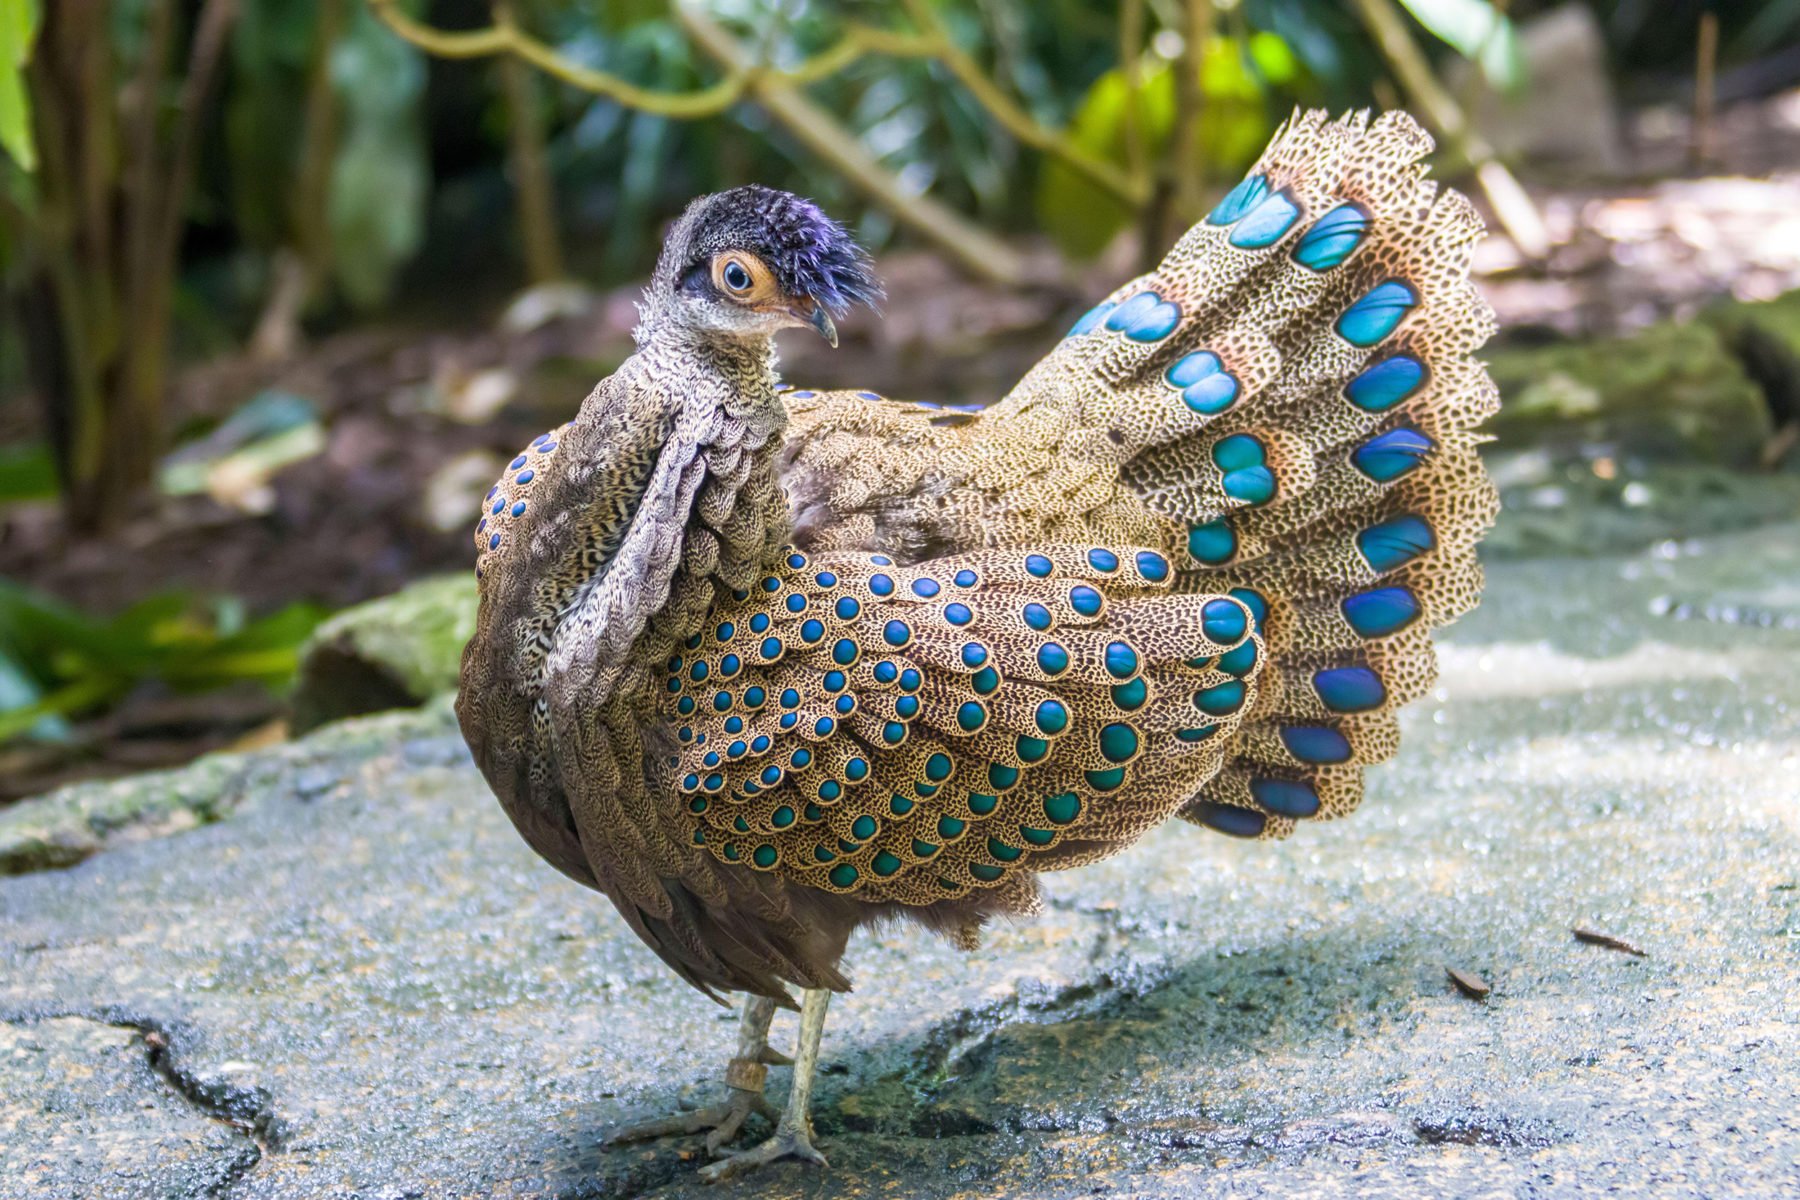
736 277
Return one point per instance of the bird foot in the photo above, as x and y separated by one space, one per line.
720 1122
787 1142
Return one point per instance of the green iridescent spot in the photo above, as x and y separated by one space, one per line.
924 849
937 768
986 873
899 805
741 825
1105 781
1239 662
1052 717
981 804
699 837
1001 776
823 855
731 852
812 813
925 791
697 805
1002 851
1037 837
1031 749
764 856
884 863
863 828
1220 700
972 715
985 681
782 817
950 828
1118 743
1062 807
1052 659
1121 660
1130 696
1196 735
843 875
1212 543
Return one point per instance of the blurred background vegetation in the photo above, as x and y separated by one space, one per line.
284 282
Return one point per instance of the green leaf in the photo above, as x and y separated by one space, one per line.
18 27
1479 32
1238 78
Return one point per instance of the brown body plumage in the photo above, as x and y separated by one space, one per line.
766 666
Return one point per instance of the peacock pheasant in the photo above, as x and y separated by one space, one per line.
765 665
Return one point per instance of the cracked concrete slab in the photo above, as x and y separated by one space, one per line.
364 976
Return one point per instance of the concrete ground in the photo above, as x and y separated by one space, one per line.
333 970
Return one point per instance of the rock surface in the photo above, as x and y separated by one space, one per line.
354 980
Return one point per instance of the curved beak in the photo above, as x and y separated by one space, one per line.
820 320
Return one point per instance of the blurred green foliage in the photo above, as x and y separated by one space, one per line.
56 663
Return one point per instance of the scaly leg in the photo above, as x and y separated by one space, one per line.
744 1078
794 1132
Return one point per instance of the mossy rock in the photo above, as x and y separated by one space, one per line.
1675 392
395 652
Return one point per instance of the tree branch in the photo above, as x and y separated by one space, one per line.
974 249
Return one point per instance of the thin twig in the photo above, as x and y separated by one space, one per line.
973 248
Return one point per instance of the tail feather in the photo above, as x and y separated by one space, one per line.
1293 389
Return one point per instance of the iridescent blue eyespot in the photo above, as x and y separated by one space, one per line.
881 585
1052 659
974 654
516 463
796 603
909 680
835 681
1051 717
1212 543
893 733
1103 560
985 681
1121 660
1091 319
925 588
730 665
1206 387
1084 600
846 704
1239 200
906 707
1038 565
1286 797
971 716
771 648
1350 689
1152 566
958 614
1129 697
1388 456
1221 699
823 726
811 630
1381 611
847 608
896 633
886 671
1037 616
518 510
1319 744
855 770
1386 383
1146 317
965 578
844 651
754 697
1267 223
825 579
1395 543
1377 314
1332 238
494 542
499 507
759 622
1223 621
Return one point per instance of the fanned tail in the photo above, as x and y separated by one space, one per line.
1293 390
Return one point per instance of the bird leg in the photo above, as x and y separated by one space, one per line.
744 1077
793 1132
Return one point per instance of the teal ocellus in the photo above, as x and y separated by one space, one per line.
765 665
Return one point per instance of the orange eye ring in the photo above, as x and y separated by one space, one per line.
744 278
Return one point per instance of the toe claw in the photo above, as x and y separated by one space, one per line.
786 1143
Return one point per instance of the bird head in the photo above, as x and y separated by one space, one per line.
747 262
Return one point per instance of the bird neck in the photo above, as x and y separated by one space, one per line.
661 492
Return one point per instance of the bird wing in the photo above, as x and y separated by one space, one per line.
914 733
